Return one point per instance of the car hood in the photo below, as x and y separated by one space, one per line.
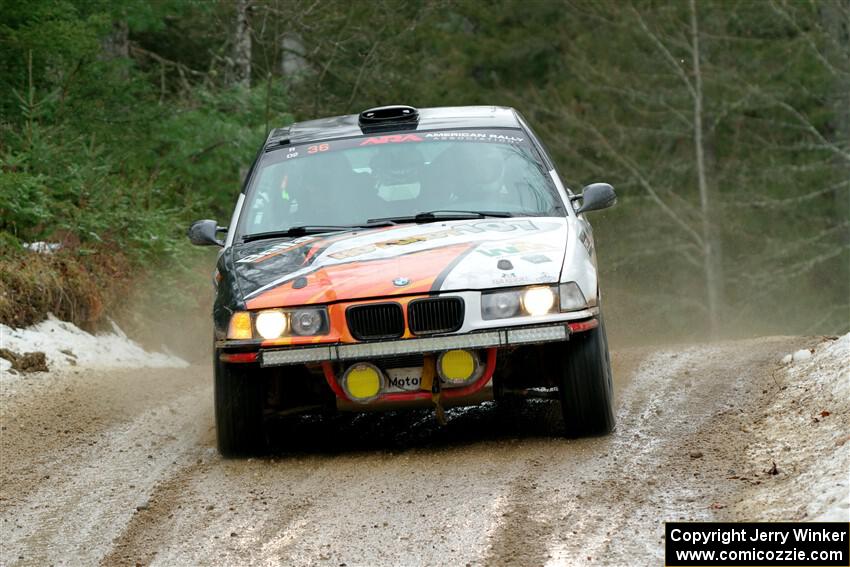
400 260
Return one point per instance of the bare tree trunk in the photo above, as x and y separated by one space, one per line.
710 245
242 45
117 43
291 63
835 18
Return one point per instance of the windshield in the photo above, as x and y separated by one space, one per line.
350 181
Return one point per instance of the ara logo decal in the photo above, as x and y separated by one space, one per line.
474 136
392 139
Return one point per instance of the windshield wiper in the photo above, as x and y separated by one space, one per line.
295 231
304 230
441 214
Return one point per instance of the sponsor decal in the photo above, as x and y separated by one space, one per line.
510 279
431 257
537 258
474 136
481 136
514 249
404 382
457 230
392 139
279 248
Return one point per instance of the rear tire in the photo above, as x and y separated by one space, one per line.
239 397
585 384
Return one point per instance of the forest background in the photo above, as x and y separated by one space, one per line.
723 125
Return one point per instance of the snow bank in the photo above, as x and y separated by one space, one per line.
66 345
811 416
828 365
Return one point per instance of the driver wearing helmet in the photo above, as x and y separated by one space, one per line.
397 172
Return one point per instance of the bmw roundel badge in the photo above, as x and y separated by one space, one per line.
401 282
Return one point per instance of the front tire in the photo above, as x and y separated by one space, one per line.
585 384
238 410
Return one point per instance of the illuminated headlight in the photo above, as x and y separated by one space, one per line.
538 300
306 322
500 304
272 323
572 299
535 300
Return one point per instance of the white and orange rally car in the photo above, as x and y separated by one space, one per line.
406 257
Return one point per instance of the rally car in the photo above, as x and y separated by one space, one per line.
401 258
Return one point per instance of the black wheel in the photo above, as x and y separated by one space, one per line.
585 384
238 410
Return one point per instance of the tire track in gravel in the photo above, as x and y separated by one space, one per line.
492 487
63 503
372 489
52 417
604 501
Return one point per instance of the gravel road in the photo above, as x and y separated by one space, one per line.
119 467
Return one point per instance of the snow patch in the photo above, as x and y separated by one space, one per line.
829 366
67 345
43 247
809 417
801 354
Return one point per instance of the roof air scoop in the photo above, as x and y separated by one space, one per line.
386 117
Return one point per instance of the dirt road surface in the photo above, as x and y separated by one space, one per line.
119 467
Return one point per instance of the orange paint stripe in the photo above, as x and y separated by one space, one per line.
356 280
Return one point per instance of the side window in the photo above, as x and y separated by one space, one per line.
271 203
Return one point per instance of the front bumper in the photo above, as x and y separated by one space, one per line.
512 336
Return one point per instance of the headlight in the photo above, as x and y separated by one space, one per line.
535 300
500 305
271 324
538 300
307 322
572 299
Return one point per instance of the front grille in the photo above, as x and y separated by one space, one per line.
375 321
436 315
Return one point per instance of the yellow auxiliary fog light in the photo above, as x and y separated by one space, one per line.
457 366
362 381
240 326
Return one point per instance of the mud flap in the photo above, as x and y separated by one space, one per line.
430 381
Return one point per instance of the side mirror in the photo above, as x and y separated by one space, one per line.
596 196
203 233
